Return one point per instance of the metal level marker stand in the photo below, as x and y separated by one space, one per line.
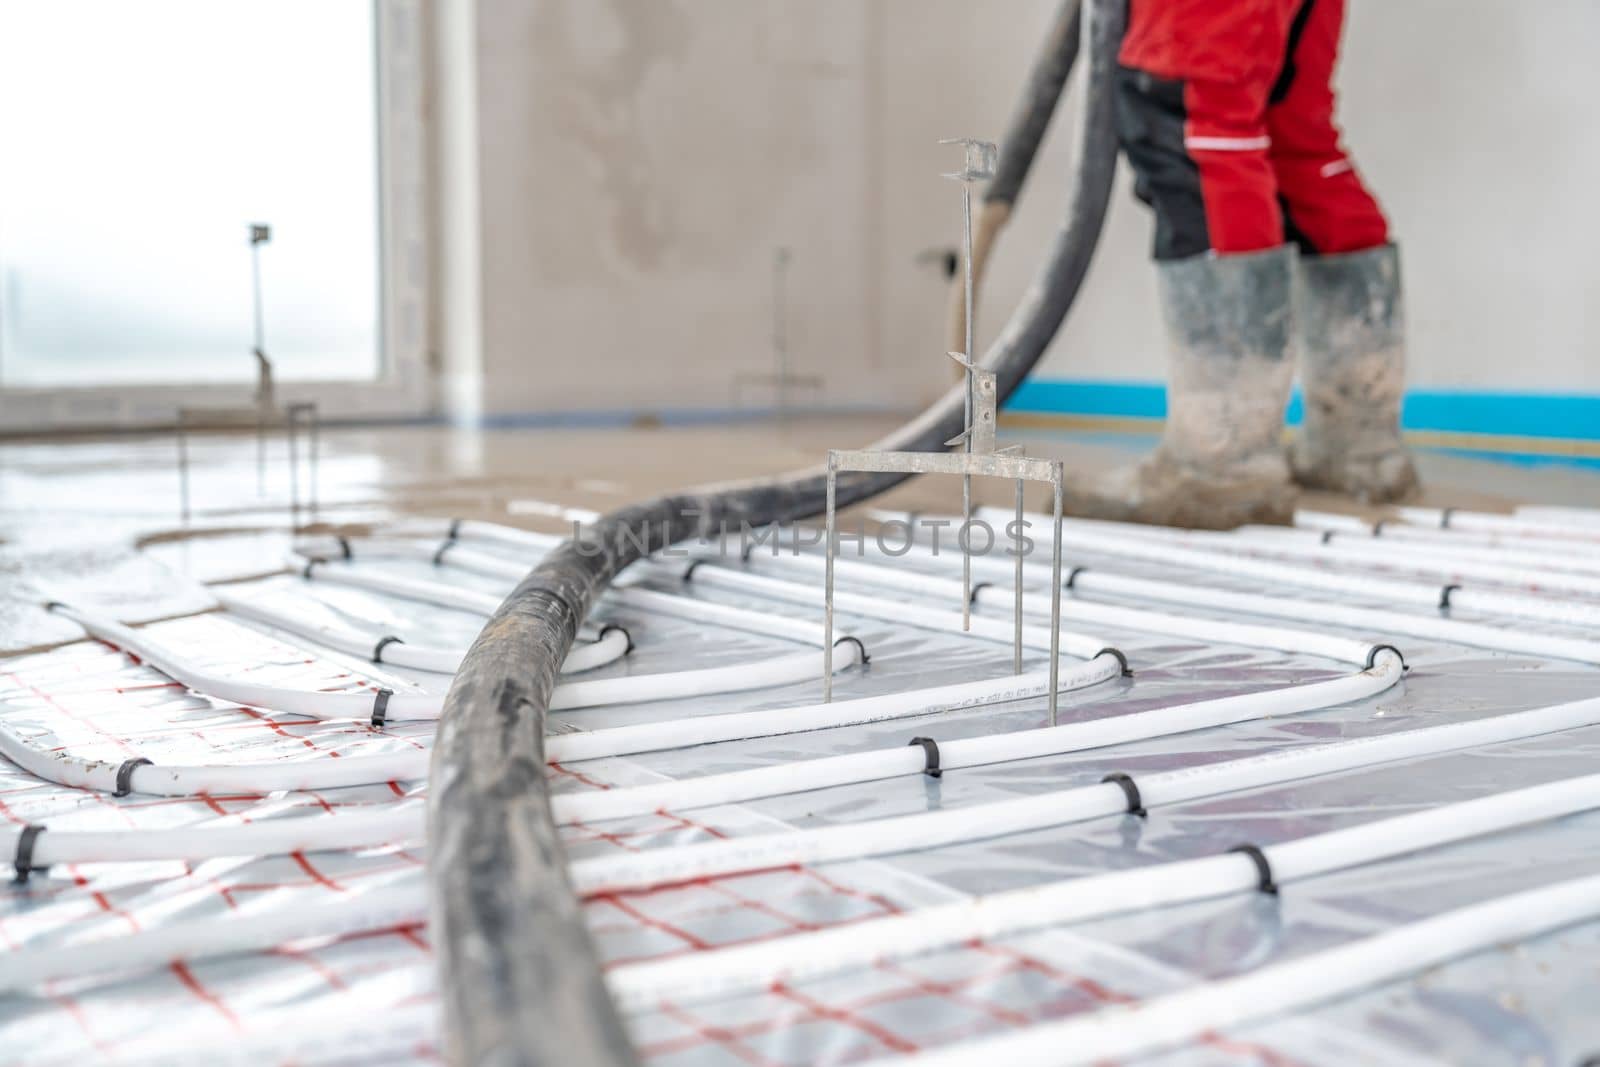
979 457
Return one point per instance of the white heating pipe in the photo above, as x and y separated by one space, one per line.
187 780
1411 594
309 702
1125 1031
1446 566
1410 533
751 968
389 824
231 933
1399 552
802 775
1092 581
1517 525
611 645
1578 518
772 722
934 829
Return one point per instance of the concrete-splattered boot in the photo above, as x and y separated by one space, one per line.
1351 326
1221 460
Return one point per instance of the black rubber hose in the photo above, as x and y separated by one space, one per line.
1046 83
519 975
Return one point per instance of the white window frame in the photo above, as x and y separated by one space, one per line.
404 386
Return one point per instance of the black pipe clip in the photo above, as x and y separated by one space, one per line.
344 546
1264 882
438 555
1372 656
383 643
865 659
23 862
1444 596
973 599
609 627
311 562
1130 790
930 748
125 775
1072 577
380 708
1127 671
454 532
688 574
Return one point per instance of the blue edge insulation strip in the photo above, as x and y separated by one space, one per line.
1525 421
1523 428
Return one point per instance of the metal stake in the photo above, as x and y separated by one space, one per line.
966 479
979 166
260 233
294 473
780 329
1055 595
183 469
1016 592
315 420
827 609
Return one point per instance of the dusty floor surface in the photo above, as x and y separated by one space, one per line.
98 520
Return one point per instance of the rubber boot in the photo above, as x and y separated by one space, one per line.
1221 460
1352 342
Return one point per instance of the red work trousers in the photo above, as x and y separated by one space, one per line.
1226 111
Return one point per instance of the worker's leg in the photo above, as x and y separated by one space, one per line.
1192 113
1350 310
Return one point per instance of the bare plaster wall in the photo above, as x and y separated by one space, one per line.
640 162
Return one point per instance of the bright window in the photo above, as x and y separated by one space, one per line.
139 139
